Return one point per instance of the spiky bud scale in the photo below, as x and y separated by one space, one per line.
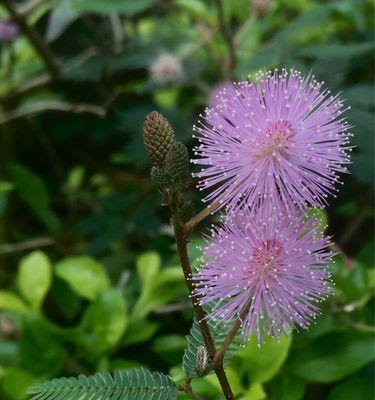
159 178
158 136
177 162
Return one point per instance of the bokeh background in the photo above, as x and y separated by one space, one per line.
88 270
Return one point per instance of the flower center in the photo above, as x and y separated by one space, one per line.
278 138
266 258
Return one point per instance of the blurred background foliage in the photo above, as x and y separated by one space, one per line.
89 274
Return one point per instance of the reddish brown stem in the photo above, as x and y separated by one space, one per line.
199 312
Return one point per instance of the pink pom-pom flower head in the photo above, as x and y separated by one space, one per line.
267 269
281 139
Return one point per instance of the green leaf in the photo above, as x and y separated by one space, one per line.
139 331
15 383
158 287
195 341
170 347
41 351
262 363
359 387
127 7
11 302
351 283
8 352
330 51
105 321
86 276
255 392
137 383
34 278
333 356
61 17
286 388
303 23
361 95
148 265
33 191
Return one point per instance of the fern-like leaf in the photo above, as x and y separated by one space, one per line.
135 384
196 342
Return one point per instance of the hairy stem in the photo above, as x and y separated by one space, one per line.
199 312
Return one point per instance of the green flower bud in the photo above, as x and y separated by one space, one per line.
177 162
158 136
159 178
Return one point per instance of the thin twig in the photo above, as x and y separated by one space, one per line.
220 353
228 340
52 105
170 308
227 36
191 224
186 388
34 38
26 245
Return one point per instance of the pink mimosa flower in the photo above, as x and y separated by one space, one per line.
267 269
281 139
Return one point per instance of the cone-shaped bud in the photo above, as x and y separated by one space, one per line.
201 362
177 162
159 178
186 210
158 136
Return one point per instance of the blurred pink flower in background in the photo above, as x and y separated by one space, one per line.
8 30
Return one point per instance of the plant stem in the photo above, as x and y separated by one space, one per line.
199 312
34 39
190 225
228 340
186 388
227 36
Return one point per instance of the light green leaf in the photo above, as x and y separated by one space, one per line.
158 287
139 331
262 364
34 278
105 321
11 302
255 392
41 351
166 286
61 17
148 265
127 7
333 356
86 276
15 383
